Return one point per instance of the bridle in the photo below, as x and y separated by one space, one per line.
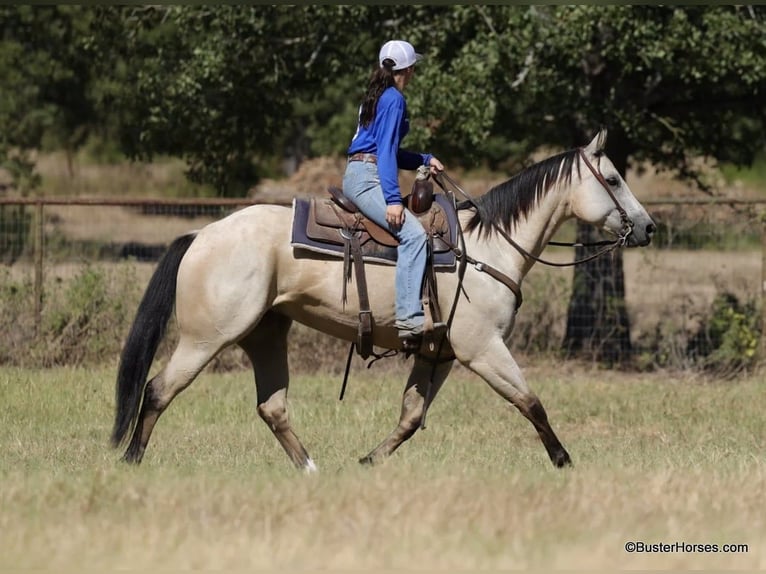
627 223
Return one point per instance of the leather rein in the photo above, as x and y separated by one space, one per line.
627 224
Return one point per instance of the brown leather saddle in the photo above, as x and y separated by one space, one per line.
332 219
334 225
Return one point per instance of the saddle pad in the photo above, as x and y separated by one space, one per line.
371 250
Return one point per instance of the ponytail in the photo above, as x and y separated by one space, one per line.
382 78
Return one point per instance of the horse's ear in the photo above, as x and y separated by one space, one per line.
598 143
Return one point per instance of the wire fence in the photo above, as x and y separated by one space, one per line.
706 264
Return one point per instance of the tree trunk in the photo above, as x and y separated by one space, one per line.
598 327
597 320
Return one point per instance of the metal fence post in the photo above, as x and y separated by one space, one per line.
763 286
39 228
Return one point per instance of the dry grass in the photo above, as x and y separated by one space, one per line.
115 224
682 283
658 459
122 179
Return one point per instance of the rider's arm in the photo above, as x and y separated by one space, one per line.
389 116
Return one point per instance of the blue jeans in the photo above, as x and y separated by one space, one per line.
361 185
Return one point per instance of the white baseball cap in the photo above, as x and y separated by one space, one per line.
401 52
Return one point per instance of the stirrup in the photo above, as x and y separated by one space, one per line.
411 344
424 340
433 337
411 339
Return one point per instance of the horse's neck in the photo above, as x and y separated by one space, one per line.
543 222
532 234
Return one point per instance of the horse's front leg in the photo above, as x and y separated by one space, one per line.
495 364
413 406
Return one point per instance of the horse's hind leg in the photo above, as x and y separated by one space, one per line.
496 366
266 346
184 365
413 406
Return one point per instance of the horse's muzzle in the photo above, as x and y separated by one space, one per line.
641 237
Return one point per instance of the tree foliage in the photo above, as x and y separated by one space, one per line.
672 83
225 86
47 70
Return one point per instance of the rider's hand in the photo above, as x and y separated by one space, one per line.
436 166
395 215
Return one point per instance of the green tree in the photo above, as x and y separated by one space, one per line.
225 87
46 68
219 85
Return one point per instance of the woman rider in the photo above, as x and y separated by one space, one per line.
371 179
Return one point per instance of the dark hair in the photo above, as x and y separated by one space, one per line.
381 79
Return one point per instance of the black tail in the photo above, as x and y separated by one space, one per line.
145 335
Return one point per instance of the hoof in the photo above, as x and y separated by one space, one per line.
133 455
561 459
130 459
367 460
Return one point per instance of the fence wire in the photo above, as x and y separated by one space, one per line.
705 264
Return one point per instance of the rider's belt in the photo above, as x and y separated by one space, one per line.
363 157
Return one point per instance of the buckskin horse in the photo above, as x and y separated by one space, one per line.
238 281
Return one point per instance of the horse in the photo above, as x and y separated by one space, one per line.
238 281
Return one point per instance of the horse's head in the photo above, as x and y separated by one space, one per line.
605 200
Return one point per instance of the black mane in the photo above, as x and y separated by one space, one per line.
506 202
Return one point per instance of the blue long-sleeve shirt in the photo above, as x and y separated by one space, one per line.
383 137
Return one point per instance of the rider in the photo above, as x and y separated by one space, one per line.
371 178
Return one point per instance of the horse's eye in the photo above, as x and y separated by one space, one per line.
612 181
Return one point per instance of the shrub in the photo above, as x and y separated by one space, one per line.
722 340
86 318
17 328
727 339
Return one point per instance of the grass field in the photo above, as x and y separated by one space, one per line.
658 459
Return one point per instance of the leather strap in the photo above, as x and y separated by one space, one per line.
626 222
364 345
492 272
499 276
430 290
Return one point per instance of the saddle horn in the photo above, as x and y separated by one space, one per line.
421 197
